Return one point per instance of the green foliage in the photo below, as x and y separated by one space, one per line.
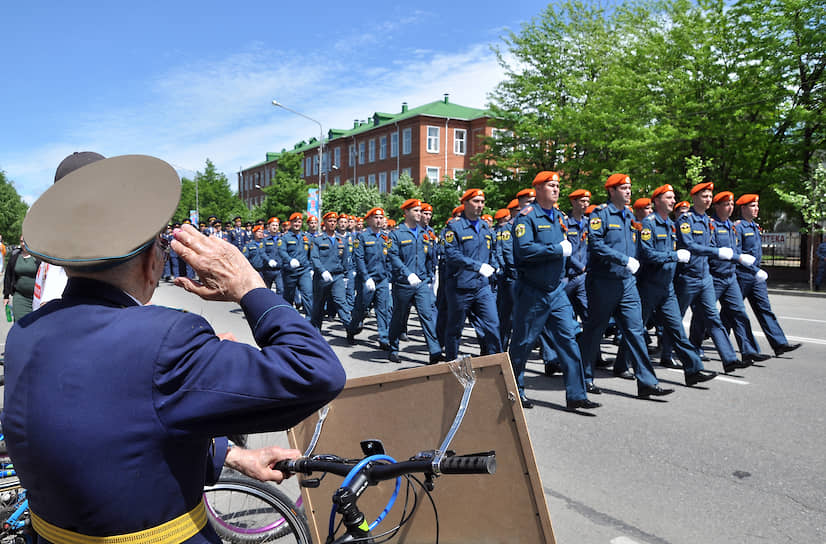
12 211
214 196
812 202
694 167
404 189
288 192
350 199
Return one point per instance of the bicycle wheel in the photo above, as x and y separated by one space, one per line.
246 511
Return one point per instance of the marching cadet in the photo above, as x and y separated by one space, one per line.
254 250
329 257
642 208
312 226
753 284
540 249
349 268
726 288
440 316
294 251
525 197
408 263
468 254
505 276
577 234
693 283
370 247
272 269
612 288
238 235
681 208
659 257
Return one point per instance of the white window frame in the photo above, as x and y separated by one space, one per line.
382 182
459 142
351 161
433 140
407 141
394 144
371 180
394 178
337 157
382 148
361 180
458 172
371 150
408 171
337 180
429 170
361 152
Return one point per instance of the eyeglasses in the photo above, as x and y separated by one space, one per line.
163 242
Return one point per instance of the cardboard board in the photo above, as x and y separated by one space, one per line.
411 411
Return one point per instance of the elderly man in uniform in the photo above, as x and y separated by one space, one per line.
540 250
238 234
612 288
294 251
752 280
129 396
468 253
408 262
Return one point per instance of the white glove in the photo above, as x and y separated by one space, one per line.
761 275
272 263
725 253
326 276
683 255
370 285
294 263
486 270
633 265
746 259
413 280
567 248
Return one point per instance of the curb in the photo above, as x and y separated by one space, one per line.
796 293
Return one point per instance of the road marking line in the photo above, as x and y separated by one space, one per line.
720 377
623 540
801 319
818 341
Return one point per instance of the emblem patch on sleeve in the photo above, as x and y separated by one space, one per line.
449 237
520 230
645 234
596 223
685 228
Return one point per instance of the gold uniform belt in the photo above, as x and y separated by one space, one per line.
173 531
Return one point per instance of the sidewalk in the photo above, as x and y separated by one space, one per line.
794 289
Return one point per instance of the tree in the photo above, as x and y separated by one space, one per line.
288 192
12 211
214 196
350 199
404 189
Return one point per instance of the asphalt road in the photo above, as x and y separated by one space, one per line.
741 459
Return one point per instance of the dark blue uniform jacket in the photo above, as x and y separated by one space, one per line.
466 249
536 249
612 238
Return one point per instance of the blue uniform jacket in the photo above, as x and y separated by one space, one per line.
110 407
751 241
370 255
536 250
328 254
408 254
295 246
694 234
238 237
255 254
271 251
347 238
578 236
657 251
612 238
504 251
724 235
466 249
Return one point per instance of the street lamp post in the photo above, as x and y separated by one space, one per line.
320 144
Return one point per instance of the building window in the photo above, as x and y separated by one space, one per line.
407 141
383 148
337 180
371 150
458 174
383 182
433 174
361 152
394 178
352 160
394 144
315 164
432 139
408 171
308 167
361 180
337 157
371 180
459 141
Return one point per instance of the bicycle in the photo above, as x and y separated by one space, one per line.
376 466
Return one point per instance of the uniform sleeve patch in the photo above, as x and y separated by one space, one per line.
645 234
450 237
506 235
595 223
520 230
685 228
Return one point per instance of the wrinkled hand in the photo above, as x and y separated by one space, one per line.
370 285
761 275
746 259
486 270
567 248
683 255
413 279
225 274
258 463
633 265
725 253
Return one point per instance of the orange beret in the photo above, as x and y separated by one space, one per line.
590 209
472 193
487 217
256 228
544 176
391 222
513 204
504 212
426 207
682 204
579 193
272 219
328 215
378 212
641 203
723 196
458 210
662 189
296 215
411 203
615 180
311 217
702 187
747 199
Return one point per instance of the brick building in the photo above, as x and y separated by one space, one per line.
434 141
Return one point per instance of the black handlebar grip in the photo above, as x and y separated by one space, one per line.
469 464
286 466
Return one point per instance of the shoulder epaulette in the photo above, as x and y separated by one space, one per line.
526 210
601 206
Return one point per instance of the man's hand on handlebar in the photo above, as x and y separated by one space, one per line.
258 463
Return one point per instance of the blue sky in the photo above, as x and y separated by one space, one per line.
186 81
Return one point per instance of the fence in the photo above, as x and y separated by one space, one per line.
783 249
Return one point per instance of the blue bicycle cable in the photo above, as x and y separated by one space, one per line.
352 474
